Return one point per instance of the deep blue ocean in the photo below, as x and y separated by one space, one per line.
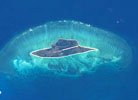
117 16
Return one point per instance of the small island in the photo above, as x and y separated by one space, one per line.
63 47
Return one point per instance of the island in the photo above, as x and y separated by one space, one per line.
62 48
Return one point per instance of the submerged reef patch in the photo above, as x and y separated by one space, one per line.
78 48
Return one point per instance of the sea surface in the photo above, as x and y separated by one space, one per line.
117 16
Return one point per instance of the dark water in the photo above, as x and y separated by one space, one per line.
119 16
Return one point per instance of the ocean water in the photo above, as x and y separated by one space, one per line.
117 16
